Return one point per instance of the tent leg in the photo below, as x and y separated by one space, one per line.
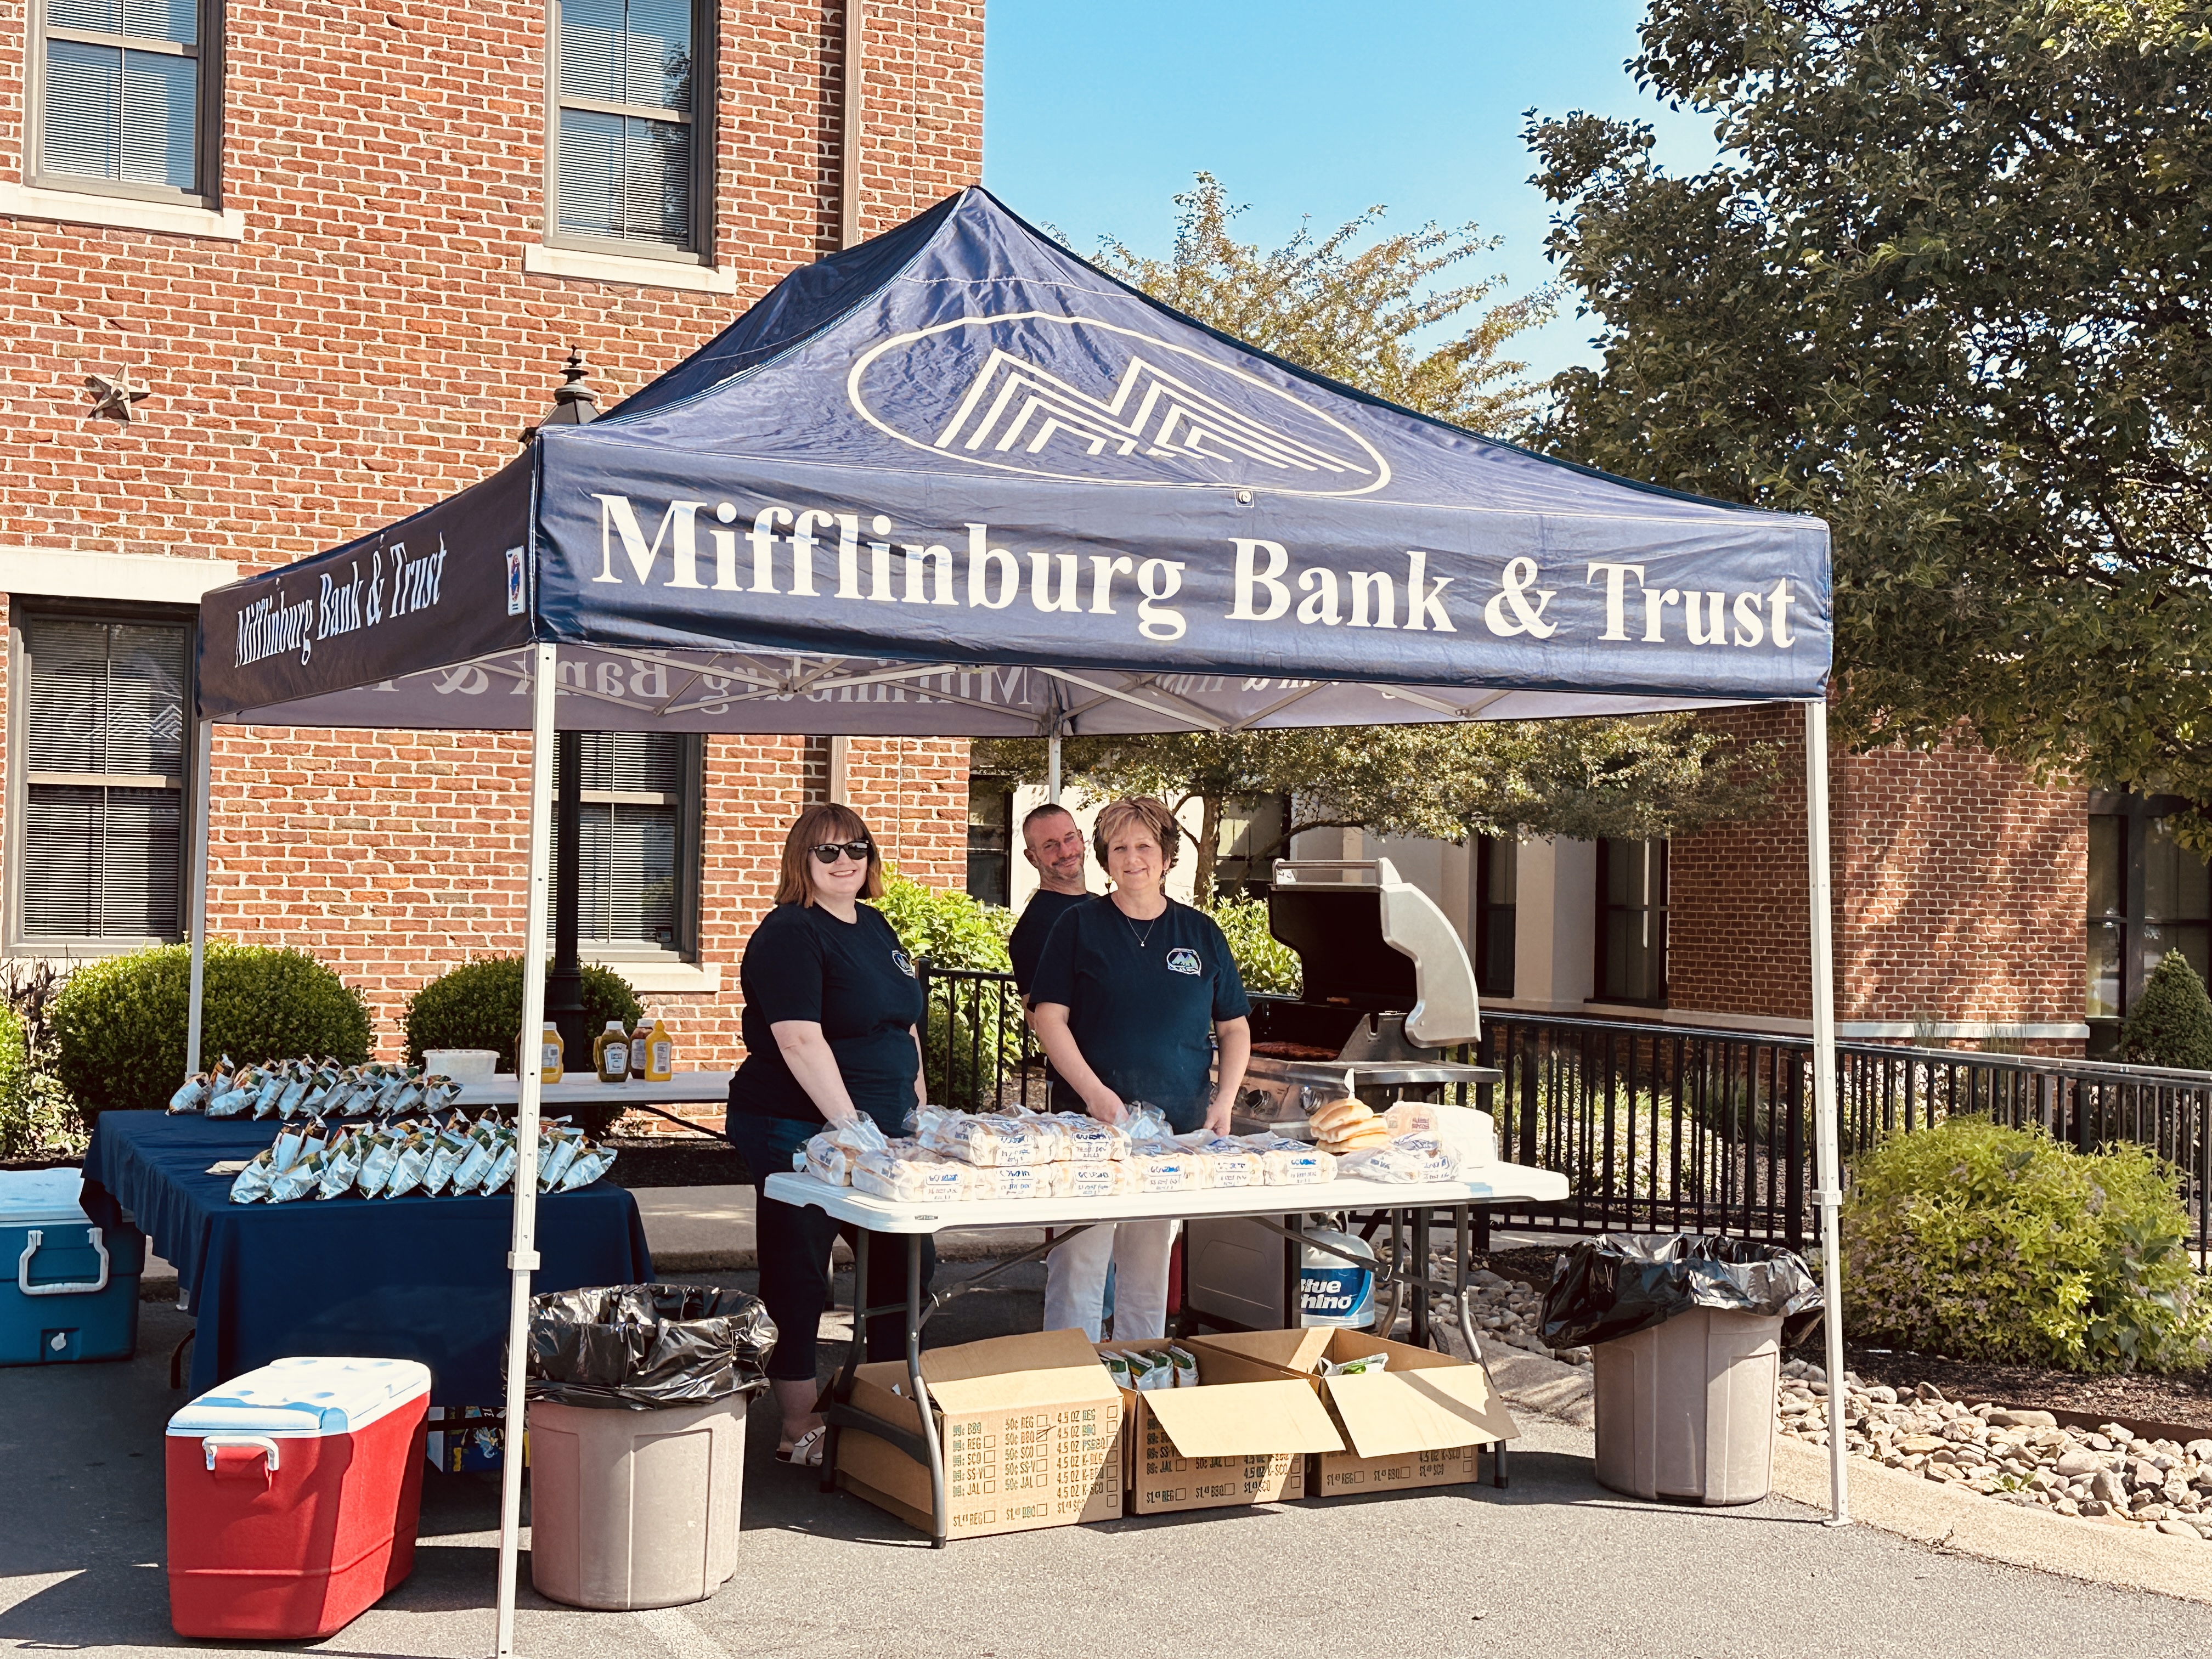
1827 1174
203 751
522 1255
1051 770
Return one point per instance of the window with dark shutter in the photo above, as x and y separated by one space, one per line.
1632 928
99 851
122 87
626 122
637 879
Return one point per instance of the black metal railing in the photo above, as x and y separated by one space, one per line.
1669 1127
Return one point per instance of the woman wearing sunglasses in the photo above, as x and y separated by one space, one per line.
830 1027
1135 998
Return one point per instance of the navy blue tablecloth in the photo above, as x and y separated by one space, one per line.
410 1277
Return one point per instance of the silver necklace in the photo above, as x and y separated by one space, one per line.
1144 939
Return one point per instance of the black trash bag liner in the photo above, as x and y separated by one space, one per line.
643 1345
1619 1284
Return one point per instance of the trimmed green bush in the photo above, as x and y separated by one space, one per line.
1982 1243
1264 963
119 1023
2171 1024
478 1004
945 927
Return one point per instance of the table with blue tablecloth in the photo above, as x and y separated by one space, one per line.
410 1277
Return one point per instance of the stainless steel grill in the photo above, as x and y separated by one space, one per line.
1388 991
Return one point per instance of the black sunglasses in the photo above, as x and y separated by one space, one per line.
830 851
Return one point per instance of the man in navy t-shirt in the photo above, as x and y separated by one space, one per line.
1053 845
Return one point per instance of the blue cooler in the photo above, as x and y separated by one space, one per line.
68 1291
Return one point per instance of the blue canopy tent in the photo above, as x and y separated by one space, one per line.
957 481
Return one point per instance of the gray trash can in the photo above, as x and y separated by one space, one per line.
637 1440
1685 1334
1686 1410
635 1508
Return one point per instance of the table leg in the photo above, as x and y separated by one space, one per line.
1293 1261
1420 1276
941 1515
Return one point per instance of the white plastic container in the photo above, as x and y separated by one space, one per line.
1684 1412
460 1063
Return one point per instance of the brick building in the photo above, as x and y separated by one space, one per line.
276 275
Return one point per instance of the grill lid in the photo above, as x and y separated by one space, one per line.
1368 939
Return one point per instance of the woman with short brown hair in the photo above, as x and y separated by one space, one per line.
831 1027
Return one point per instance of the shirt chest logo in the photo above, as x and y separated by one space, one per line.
1184 960
905 963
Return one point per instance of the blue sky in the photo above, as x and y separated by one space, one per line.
1096 114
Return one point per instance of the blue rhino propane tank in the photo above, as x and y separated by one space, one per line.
1331 1291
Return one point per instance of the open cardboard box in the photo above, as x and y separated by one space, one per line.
1240 1437
1030 1428
1419 1423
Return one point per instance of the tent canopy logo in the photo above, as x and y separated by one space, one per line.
1073 398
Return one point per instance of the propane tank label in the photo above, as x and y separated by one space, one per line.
1337 1295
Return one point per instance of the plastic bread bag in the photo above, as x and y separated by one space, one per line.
1400 1166
992 1141
1287 1163
410 1163
1226 1161
1413 1117
1090 1141
1175 1171
905 1180
303 1178
193 1095
1186 1366
857 1134
1373 1362
1088 1180
828 1162
1024 1180
1142 1120
250 1185
591 1163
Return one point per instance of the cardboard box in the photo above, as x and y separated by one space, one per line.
1417 1425
1240 1437
1031 1428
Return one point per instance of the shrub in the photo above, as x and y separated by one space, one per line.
119 1023
1264 963
1983 1243
972 1035
2171 1024
478 1004
38 1119
945 927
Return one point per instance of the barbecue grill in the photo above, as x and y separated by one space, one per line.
1388 991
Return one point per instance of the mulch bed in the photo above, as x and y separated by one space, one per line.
675 1160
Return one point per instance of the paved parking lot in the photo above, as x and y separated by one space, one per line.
1552 1565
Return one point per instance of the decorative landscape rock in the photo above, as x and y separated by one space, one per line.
2020 1457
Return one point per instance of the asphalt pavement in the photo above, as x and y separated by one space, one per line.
1553 1566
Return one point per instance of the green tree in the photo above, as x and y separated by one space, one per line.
1945 289
2171 1024
1636 779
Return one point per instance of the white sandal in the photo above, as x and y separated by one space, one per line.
806 1450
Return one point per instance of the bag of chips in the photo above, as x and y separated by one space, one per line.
250 1185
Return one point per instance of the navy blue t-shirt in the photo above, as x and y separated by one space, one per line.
1142 999
852 979
1039 915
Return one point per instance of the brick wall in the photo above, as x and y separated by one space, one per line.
374 344
1960 888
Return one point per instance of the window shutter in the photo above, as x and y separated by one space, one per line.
103 861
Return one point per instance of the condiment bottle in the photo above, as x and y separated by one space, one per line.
652 1054
610 1054
551 1054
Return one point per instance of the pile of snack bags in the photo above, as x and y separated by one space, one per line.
389 1159
949 1156
286 1089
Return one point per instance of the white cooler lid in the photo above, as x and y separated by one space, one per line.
28 1197
313 1395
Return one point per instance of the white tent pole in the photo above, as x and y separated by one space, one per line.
1051 770
522 1255
203 749
1828 1176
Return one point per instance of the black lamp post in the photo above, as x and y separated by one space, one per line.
574 404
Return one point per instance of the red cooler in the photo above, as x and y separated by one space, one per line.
293 1493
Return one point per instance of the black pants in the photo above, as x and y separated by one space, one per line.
794 1245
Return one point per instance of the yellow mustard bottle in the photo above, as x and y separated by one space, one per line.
550 1054
660 1053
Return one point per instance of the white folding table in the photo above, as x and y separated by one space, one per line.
1279 1209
